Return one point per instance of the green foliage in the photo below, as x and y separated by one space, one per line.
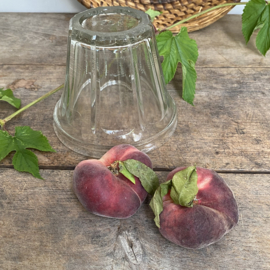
183 189
263 37
175 49
147 176
156 203
152 14
256 15
24 160
126 173
7 95
181 48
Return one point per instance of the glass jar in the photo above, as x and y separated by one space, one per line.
114 88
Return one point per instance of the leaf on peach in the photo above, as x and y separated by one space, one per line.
183 189
184 186
156 203
125 172
147 176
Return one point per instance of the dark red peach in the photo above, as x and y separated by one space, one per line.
106 193
213 215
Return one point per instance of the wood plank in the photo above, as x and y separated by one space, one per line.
36 39
222 45
228 129
43 226
33 38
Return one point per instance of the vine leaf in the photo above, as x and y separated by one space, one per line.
7 95
24 160
152 13
175 49
263 37
256 15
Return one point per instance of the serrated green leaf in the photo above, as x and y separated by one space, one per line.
32 139
263 37
175 49
156 203
152 14
251 16
184 187
6 144
7 95
24 160
126 173
147 176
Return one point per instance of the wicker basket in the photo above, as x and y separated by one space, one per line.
172 10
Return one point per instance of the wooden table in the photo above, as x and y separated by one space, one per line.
42 224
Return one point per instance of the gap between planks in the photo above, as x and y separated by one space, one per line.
70 168
198 66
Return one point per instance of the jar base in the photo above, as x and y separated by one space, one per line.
97 151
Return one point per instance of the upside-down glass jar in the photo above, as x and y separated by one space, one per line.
114 88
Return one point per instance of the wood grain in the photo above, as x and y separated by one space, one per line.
43 226
228 129
34 39
222 45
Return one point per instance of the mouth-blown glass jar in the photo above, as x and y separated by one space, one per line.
114 88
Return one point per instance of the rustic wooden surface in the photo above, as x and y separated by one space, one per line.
42 224
227 129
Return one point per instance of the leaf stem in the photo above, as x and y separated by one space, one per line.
205 11
4 121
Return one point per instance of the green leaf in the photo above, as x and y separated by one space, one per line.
32 139
147 176
263 37
175 49
256 15
156 203
26 161
126 173
7 95
184 187
250 18
25 137
6 144
152 14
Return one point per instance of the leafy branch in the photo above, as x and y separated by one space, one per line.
23 160
181 48
4 121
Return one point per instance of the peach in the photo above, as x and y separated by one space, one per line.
214 213
104 191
